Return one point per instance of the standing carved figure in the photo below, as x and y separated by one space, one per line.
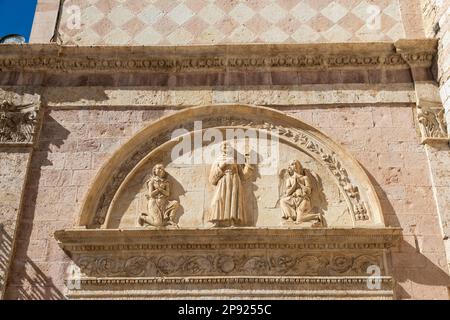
160 210
227 206
295 203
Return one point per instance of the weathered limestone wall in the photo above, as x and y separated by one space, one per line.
19 128
13 172
436 20
437 24
73 146
175 22
75 143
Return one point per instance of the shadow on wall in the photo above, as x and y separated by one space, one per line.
5 252
411 264
43 287
26 279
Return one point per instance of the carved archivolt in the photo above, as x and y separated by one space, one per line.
17 123
354 184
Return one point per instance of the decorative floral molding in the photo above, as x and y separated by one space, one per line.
216 264
183 64
18 123
218 58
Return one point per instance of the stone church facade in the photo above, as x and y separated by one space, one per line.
227 149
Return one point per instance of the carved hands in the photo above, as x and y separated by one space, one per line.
160 210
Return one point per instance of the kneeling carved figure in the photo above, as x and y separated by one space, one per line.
161 211
295 202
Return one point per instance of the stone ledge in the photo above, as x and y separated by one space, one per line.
236 287
77 240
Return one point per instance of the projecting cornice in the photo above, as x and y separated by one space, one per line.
89 240
417 53
219 58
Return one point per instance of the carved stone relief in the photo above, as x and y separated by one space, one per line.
207 196
295 196
216 264
159 263
230 200
17 123
304 140
433 126
227 206
161 211
242 57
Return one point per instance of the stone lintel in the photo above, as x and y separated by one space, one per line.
218 263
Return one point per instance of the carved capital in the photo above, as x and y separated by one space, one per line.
432 124
18 124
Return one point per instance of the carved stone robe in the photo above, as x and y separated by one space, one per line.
228 201
297 202
160 208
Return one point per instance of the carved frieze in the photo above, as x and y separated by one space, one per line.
223 58
192 64
18 123
214 264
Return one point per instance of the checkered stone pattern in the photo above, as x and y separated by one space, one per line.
181 22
